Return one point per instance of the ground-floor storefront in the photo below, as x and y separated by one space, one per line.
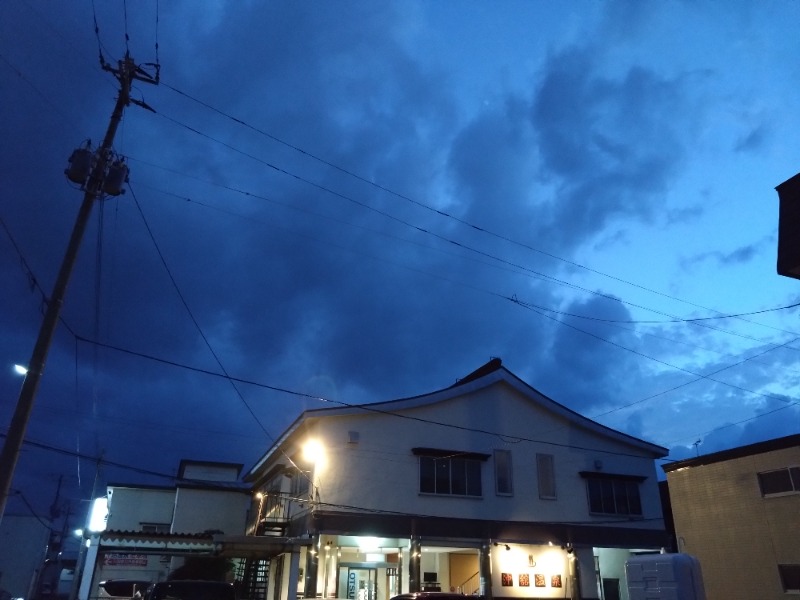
347 558
375 558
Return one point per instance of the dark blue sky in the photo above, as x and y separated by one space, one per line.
360 201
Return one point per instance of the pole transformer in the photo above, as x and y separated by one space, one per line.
103 179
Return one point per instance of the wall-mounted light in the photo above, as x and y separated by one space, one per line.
312 451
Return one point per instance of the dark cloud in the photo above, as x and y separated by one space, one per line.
605 143
347 221
755 139
729 259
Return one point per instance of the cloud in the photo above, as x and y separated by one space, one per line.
754 140
738 256
605 143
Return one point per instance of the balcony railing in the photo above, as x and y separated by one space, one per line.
275 510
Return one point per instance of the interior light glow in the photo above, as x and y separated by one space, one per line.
365 544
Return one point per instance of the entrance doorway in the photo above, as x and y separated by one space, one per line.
611 589
359 583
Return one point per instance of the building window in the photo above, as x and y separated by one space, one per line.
613 494
301 484
546 476
155 527
779 481
450 472
790 577
503 479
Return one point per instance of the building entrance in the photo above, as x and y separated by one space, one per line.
358 583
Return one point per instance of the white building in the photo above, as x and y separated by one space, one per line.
485 487
150 530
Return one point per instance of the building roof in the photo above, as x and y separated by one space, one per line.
790 441
488 374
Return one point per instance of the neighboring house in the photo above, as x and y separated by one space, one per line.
738 512
23 545
485 487
150 530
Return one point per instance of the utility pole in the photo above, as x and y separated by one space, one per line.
99 176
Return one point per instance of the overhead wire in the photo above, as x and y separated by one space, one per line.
226 375
514 298
318 398
199 329
681 320
443 213
699 376
448 240
235 486
368 407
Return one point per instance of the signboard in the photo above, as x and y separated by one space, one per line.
119 559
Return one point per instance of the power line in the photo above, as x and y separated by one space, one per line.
368 408
192 317
449 241
427 207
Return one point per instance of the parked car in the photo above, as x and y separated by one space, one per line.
123 588
190 590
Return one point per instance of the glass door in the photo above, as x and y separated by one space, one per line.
360 584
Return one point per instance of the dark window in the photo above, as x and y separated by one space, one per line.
790 577
614 496
779 481
546 475
300 484
155 527
453 475
504 483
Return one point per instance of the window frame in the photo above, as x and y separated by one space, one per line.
503 469
792 478
450 473
548 472
622 492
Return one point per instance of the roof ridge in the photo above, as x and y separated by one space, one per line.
490 367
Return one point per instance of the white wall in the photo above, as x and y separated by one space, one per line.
129 507
381 472
198 510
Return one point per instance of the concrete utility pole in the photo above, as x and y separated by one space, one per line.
95 187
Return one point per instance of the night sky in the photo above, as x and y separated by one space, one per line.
360 201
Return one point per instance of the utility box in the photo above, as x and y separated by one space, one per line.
664 577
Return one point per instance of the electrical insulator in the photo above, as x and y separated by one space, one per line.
80 165
116 177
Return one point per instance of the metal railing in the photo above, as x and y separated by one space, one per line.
471 586
275 510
